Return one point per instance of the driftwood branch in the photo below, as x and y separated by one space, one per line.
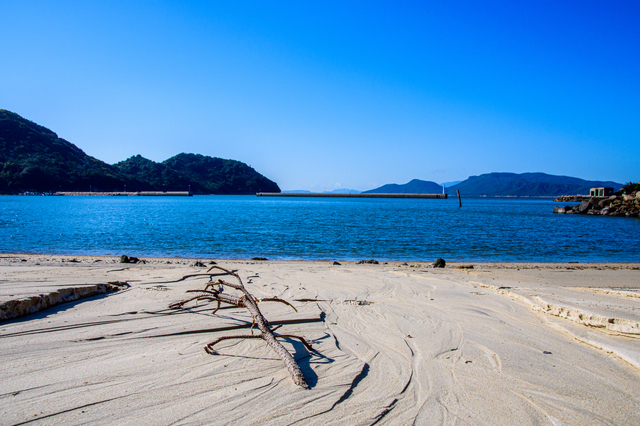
214 292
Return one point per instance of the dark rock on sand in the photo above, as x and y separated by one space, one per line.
130 259
439 263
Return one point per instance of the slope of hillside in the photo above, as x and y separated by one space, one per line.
220 176
526 185
156 175
416 186
33 158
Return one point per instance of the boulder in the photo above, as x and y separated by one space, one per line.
583 207
130 259
439 263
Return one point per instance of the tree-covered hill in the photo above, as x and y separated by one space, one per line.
35 159
156 175
220 176
203 174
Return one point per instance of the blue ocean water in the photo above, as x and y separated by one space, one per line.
241 227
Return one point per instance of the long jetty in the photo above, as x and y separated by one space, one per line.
356 195
132 194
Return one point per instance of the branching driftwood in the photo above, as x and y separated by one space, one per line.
214 292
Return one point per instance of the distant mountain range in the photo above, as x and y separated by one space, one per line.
502 185
526 185
343 191
335 191
35 159
416 186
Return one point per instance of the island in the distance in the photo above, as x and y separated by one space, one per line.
501 185
34 159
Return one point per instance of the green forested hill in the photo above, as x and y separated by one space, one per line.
221 176
205 175
33 158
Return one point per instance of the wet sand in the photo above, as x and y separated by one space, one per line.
394 344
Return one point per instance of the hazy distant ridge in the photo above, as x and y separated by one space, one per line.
416 186
526 185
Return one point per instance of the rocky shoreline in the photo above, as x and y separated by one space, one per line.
627 205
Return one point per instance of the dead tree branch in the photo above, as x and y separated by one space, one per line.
214 292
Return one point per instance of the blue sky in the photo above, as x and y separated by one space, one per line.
325 95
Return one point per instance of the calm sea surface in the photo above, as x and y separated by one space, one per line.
313 228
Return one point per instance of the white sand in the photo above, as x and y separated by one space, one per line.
396 345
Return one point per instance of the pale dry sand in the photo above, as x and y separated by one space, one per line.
498 344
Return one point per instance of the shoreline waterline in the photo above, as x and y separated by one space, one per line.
422 264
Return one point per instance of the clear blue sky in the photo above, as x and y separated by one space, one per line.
324 95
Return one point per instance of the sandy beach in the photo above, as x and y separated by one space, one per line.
394 343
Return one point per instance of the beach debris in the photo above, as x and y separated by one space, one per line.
259 258
337 263
357 302
198 264
547 352
439 263
130 259
121 284
371 261
464 267
214 292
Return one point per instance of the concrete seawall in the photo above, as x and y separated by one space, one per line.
30 305
333 195
137 193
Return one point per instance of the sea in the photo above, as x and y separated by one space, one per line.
334 229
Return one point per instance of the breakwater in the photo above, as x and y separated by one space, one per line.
133 194
616 205
333 195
